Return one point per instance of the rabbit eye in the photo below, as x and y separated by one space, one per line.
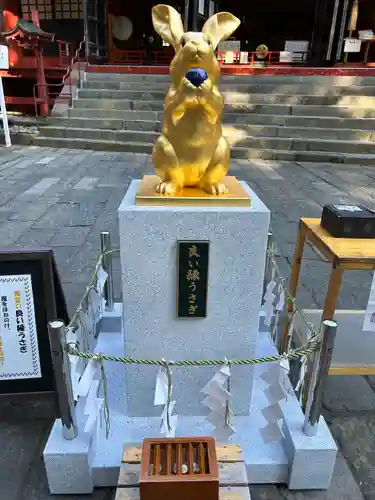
209 42
183 42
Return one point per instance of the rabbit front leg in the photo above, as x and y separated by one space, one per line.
212 100
217 169
167 167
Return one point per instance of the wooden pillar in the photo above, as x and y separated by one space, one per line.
41 78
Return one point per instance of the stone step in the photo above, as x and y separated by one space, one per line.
255 78
142 95
114 113
300 121
236 118
236 138
307 144
236 152
302 156
276 109
100 134
230 130
92 144
237 98
252 88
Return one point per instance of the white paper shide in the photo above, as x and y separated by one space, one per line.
163 396
19 352
217 400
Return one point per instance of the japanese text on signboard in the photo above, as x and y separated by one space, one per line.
192 279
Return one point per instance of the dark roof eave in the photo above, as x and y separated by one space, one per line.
29 29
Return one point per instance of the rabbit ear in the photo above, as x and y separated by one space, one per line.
220 26
168 24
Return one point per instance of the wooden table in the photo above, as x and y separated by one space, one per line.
343 253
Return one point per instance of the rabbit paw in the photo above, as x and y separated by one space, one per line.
188 87
216 188
206 86
167 188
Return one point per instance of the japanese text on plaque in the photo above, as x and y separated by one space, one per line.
192 284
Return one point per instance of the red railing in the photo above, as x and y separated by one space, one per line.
164 57
65 52
141 57
64 90
274 57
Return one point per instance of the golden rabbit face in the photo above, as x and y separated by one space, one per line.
195 50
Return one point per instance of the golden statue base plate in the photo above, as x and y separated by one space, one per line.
192 197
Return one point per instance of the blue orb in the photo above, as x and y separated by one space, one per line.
196 76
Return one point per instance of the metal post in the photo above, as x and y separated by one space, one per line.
63 381
342 29
105 241
268 265
322 361
333 30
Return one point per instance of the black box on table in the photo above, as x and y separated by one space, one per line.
348 221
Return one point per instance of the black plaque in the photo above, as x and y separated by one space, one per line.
49 304
193 258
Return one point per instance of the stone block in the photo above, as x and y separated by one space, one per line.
148 237
311 459
68 463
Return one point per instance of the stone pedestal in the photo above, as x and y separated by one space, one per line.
148 242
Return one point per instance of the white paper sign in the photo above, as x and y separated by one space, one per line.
296 46
4 57
19 352
352 45
286 56
348 208
244 57
229 46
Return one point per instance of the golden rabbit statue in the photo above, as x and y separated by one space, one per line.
191 151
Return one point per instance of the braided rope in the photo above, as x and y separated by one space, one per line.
294 354
311 346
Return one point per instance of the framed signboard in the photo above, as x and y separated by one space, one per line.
31 294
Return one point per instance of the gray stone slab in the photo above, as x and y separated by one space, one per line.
20 440
35 487
348 393
57 216
69 236
35 238
343 487
41 187
355 435
11 231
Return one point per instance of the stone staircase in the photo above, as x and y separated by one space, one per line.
301 118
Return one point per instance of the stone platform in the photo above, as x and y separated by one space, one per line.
149 236
80 465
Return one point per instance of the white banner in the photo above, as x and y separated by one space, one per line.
4 57
19 352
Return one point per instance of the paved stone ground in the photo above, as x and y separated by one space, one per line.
64 198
